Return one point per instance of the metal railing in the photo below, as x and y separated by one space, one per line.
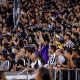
20 74
60 75
76 71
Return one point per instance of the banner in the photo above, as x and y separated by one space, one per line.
16 12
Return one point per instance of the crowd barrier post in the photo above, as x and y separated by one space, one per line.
76 75
68 74
60 74
55 73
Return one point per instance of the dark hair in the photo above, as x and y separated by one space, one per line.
69 50
20 62
67 34
30 48
21 44
12 55
44 73
77 51
76 34
54 47
5 56
2 76
31 51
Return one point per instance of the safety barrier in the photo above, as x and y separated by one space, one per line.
29 76
23 75
60 75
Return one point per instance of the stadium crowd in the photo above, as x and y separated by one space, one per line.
47 34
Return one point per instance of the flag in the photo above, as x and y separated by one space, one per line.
16 12
44 53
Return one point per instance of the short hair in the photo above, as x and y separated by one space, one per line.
31 50
77 51
53 47
5 56
44 73
76 34
69 50
2 76
67 34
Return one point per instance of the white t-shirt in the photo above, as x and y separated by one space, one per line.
52 60
34 63
61 59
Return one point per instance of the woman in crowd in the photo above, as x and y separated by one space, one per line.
43 74
36 63
2 76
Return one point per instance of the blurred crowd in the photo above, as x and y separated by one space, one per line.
47 34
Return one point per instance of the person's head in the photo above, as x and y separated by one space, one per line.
57 53
0 57
11 57
15 50
69 51
36 46
22 52
2 77
53 48
33 21
4 57
66 36
75 53
74 28
29 52
75 35
33 57
43 74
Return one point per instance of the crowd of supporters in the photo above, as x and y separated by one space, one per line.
47 34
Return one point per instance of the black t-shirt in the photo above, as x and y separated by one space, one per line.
12 63
76 42
20 62
27 62
77 62
32 38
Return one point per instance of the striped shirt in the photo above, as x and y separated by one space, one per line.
52 60
5 65
69 44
